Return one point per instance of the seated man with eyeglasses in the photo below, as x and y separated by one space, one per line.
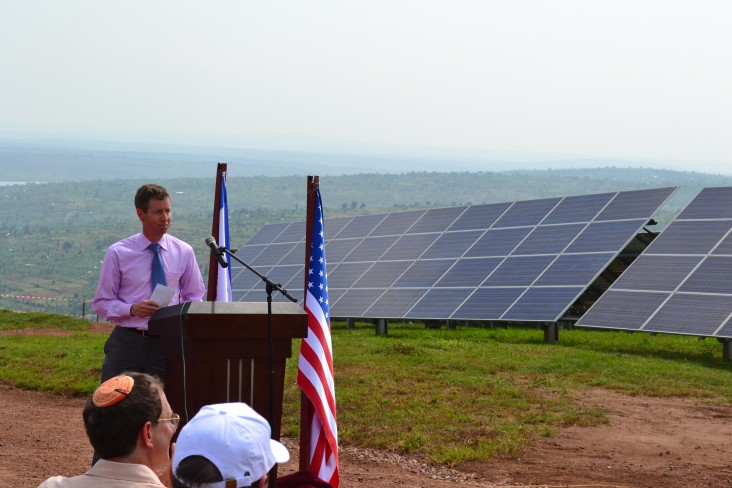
130 424
227 445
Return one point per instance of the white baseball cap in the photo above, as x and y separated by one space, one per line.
233 437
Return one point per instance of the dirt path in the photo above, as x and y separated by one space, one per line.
649 442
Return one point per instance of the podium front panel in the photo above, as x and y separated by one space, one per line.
218 352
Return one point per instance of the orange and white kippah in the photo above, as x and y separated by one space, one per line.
113 391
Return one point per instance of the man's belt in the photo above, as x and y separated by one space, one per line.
142 332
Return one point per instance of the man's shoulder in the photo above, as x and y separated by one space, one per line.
126 243
53 482
174 241
80 481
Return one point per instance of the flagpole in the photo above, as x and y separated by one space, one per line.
306 407
213 264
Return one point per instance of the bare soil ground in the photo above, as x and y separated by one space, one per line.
649 442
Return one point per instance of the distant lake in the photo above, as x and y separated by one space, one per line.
8 183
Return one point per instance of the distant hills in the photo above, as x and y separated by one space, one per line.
33 160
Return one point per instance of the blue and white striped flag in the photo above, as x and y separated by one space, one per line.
223 280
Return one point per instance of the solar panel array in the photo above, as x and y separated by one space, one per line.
521 261
682 283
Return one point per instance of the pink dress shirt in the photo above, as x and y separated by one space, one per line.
124 278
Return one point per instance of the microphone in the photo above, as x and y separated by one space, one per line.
211 242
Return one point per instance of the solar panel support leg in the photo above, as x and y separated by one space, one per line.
351 323
726 349
382 327
551 333
451 324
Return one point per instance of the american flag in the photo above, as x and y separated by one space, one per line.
315 366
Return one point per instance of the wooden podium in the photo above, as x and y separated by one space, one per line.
217 352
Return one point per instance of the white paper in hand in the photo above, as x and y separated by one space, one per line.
162 295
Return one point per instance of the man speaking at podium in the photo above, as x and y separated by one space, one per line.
131 270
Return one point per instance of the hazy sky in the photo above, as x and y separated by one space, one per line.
643 80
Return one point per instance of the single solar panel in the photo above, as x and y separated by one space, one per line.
689 237
382 274
397 302
469 272
452 244
626 310
479 216
570 269
355 302
539 302
519 261
267 234
633 204
423 274
529 212
335 226
361 226
434 303
395 223
436 220
606 236
489 303
657 272
292 233
407 247
712 201
681 283
694 314
498 242
582 208
273 254
549 239
370 249
519 270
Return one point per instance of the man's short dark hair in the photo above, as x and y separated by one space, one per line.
195 471
113 430
147 192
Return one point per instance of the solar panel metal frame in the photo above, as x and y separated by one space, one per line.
691 293
424 246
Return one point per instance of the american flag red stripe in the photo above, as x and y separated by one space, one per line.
315 366
312 357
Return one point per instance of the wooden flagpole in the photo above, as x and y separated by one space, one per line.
213 264
306 408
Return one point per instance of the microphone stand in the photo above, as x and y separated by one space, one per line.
270 287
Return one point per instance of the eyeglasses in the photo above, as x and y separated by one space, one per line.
174 420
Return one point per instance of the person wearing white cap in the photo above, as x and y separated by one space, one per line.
226 445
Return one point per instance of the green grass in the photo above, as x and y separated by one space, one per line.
65 365
450 395
474 393
31 320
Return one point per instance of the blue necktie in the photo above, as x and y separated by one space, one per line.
158 272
